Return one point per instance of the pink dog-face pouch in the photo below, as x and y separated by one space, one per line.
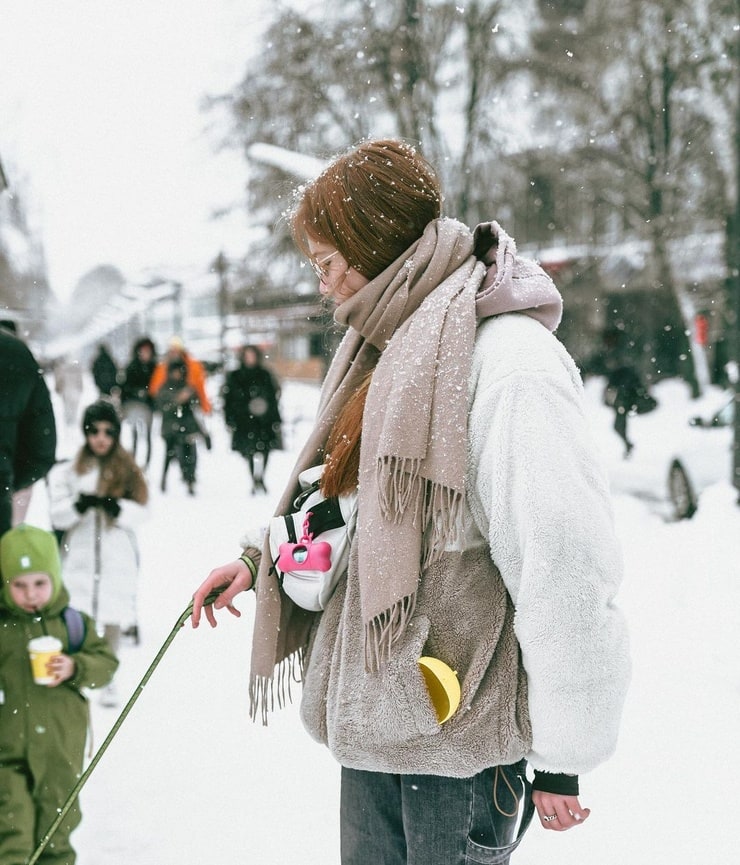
306 554
310 546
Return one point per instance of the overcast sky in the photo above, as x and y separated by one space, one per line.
99 117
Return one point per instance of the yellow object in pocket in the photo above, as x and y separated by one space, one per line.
443 687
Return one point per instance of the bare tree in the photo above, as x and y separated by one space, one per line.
629 76
425 71
24 286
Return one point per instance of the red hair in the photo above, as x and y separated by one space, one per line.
371 204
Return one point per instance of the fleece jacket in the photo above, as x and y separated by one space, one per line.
524 611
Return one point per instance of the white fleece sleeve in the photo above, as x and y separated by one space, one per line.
543 502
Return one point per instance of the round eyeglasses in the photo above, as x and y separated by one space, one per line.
318 267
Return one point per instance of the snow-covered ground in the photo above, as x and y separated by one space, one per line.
190 780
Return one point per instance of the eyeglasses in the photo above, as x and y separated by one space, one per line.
318 266
93 429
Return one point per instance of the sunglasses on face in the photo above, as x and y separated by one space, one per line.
94 429
318 267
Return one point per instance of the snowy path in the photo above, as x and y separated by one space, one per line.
191 780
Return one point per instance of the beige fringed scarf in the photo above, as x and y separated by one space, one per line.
415 326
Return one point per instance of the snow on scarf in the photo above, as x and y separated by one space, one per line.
414 324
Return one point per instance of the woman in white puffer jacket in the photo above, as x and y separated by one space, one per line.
97 499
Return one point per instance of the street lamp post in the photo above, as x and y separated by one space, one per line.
221 266
177 317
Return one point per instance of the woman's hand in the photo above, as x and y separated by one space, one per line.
567 810
235 577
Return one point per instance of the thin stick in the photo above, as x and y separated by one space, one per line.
115 728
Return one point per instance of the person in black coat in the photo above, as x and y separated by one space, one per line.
105 372
137 404
622 390
28 435
625 391
176 400
251 410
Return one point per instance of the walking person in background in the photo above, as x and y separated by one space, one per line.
105 373
483 521
97 500
137 404
44 726
28 435
625 391
68 384
195 373
176 400
622 390
251 410
195 378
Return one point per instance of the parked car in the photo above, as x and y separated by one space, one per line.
704 459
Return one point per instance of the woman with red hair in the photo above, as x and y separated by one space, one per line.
484 534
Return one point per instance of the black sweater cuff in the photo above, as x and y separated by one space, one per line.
553 782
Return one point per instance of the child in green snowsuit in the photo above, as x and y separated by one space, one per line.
43 728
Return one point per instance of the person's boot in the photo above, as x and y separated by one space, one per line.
109 696
132 633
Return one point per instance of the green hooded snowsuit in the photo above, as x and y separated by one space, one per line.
42 729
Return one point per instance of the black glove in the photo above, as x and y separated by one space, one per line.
85 501
110 506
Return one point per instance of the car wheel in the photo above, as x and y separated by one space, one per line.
681 492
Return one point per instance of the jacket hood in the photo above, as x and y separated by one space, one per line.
512 283
26 550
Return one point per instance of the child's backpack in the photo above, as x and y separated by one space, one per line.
75 628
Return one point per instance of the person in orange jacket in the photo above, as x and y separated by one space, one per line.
195 374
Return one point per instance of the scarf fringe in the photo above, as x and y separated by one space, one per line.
443 521
401 488
263 690
383 630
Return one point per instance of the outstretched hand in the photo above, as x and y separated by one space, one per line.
235 577
557 812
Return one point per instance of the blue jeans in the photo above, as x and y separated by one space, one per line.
433 820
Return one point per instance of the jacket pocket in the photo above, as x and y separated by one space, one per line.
373 711
501 813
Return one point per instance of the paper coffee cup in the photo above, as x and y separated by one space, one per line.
41 650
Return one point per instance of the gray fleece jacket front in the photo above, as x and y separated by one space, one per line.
524 612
